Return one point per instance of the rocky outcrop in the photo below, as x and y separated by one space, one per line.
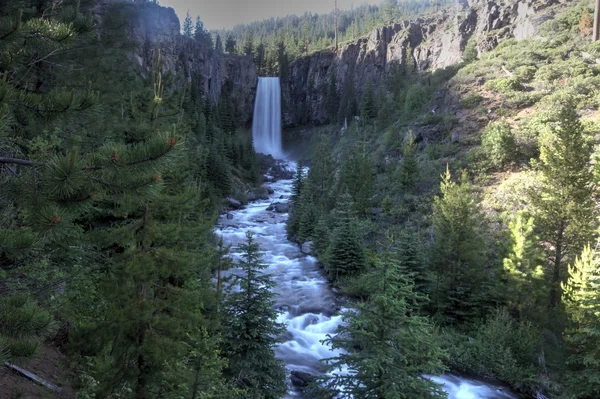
437 41
210 73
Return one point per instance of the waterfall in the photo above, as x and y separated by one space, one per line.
266 124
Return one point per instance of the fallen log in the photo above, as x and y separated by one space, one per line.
33 377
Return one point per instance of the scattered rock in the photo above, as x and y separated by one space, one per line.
301 379
264 197
281 197
307 248
229 216
233 203
270 190
270 208
281 207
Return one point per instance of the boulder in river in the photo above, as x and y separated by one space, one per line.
281 207
270 190
233 203
307 248
229 216
301 379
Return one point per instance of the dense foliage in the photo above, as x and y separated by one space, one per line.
501 197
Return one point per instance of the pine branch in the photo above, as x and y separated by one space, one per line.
17 161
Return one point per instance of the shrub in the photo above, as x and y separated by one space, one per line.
416 96
506 85
470 101
501 349
498 143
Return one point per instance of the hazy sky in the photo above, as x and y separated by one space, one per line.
218 14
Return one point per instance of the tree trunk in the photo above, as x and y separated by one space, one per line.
597 21
556 275
335 14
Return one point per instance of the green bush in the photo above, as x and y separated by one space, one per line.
501 349
498 143
416 96
471 101
505 85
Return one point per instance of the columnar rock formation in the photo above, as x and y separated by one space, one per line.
437 41
210 73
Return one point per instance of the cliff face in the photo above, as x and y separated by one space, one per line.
210 73
438 41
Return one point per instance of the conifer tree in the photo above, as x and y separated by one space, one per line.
230 44
457 252
250 330
408 168
357 177
563 208
386 345
582 305
321 176
200 33
188 27
347 108
248 44
368 103
524 267
346 253
411 259
321 239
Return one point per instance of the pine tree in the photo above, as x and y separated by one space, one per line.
357 177
230 44
524 267
346 254
386 345
408 169
368 103
563 208
457 252
582 305
321 176
321 239
412 260
250 329
188 27
248 44
200 33
389 11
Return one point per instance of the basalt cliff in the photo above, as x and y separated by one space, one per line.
437 41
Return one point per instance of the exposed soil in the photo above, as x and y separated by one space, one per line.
49 365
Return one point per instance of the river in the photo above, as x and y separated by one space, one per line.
309 307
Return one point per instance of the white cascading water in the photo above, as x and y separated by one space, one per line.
266 123
308 306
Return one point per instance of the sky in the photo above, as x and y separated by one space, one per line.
217 14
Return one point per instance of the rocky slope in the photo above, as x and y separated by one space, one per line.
437 40
152 27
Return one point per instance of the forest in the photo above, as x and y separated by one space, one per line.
463 240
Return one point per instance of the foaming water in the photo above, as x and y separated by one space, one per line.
309 308
266 122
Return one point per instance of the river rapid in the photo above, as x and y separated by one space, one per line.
309 308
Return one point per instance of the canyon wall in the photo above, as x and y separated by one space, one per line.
437 41
210 73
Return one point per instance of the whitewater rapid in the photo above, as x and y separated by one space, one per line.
308 306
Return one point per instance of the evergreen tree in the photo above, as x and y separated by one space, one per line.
498 143
248 48
582 304
188 26
408 169
250 330
297 210
321 176
321 239
385 345
563 208
389 11
368 103
457 252
410 257
230 44
346 254
357 177
200 33
524 267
